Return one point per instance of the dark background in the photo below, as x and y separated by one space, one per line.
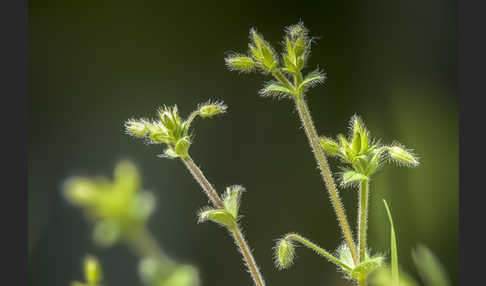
93 65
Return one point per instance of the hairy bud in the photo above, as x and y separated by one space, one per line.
285 253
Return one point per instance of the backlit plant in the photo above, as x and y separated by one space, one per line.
120 211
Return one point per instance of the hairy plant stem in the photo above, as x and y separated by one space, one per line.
319 155
316 248
311 133
235 231
363 222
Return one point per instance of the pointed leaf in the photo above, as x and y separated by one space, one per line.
353 177
312 79
221 217
275 89
393 246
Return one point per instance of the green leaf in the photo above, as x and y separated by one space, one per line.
363 269
275 89
353 177
429 267
312 79
393 246
221 217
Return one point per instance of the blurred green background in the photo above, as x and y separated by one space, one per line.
94 64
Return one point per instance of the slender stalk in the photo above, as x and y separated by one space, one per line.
201 179
311 133
250 261
363 223
236 232
363 218
144 245
313 246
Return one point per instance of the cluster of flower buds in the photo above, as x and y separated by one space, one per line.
262 56
227 216
116 208
170 129
92 273
362 154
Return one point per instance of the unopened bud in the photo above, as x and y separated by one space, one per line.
330 146
136 128
285 253
244 64
211 109
92 270
400 155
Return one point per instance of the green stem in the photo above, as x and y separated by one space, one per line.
311 133
316 248
201 179
363 223
363 218
283 79
250 261
218 203
144 245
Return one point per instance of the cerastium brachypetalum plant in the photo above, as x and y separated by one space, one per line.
362 155
120 212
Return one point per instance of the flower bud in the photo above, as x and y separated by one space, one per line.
92 270
285 253
136 128
210 109
80 191
330 146
182 146
231 199
169 117
106 233
402 156
244 64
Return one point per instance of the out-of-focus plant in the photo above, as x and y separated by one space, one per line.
92 273
119 211
173 132
361 155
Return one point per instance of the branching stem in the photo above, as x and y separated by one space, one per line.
316 248
311 133
320 157
236 232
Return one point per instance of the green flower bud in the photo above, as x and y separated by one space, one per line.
136 128
263 52
210 109
92 270
402 156
169 118
182 146
231 199
285 253
240 63
330 146
80 191
106 233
